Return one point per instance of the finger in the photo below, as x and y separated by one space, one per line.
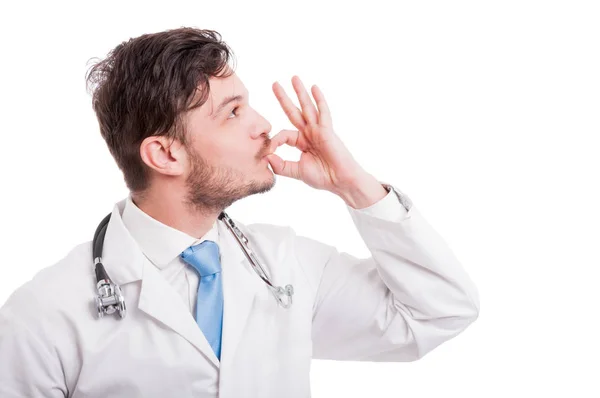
282 167
324 114
308 108
291 110
289 137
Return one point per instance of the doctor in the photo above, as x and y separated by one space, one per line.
200 322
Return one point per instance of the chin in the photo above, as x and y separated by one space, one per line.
263 184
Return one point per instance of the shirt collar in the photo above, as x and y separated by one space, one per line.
160 242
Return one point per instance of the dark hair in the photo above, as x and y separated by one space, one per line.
145 85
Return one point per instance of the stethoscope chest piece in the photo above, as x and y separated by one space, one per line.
109 299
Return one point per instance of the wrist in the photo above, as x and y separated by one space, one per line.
363 192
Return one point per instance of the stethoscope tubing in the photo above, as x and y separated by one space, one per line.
110 298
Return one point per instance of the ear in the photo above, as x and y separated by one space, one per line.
164 155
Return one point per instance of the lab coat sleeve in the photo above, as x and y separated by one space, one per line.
410 296
27 368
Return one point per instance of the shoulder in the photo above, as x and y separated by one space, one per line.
284 236
262 228
53 290
274 234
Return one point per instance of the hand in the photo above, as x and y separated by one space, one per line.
325 162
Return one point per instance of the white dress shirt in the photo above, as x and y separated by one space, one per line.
162 244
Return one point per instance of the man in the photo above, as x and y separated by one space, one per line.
199 321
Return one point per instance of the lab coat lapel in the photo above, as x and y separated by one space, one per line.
159 300
240 286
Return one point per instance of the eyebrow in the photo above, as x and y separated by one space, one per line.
226 101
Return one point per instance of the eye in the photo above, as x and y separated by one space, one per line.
233 110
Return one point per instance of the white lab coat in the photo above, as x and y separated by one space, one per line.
397 305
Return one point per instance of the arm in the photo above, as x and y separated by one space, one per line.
410 296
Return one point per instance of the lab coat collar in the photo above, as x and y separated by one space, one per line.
126 263
121 256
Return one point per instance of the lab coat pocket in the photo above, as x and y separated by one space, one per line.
288 365
144 361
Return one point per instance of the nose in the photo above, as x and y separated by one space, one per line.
263 127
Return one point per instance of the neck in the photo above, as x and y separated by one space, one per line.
169 208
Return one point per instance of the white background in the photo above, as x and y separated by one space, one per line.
485 113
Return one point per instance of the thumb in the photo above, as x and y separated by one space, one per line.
282 167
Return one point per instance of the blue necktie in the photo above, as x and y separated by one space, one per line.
205 259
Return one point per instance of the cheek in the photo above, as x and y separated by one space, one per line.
231 148
234 154
212 149
238 146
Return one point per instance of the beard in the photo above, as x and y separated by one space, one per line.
213 189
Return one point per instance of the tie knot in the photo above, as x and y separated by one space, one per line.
204 257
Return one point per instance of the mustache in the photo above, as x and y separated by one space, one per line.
266 148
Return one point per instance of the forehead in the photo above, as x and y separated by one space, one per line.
222 88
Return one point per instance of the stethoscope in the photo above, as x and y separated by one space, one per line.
110 298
